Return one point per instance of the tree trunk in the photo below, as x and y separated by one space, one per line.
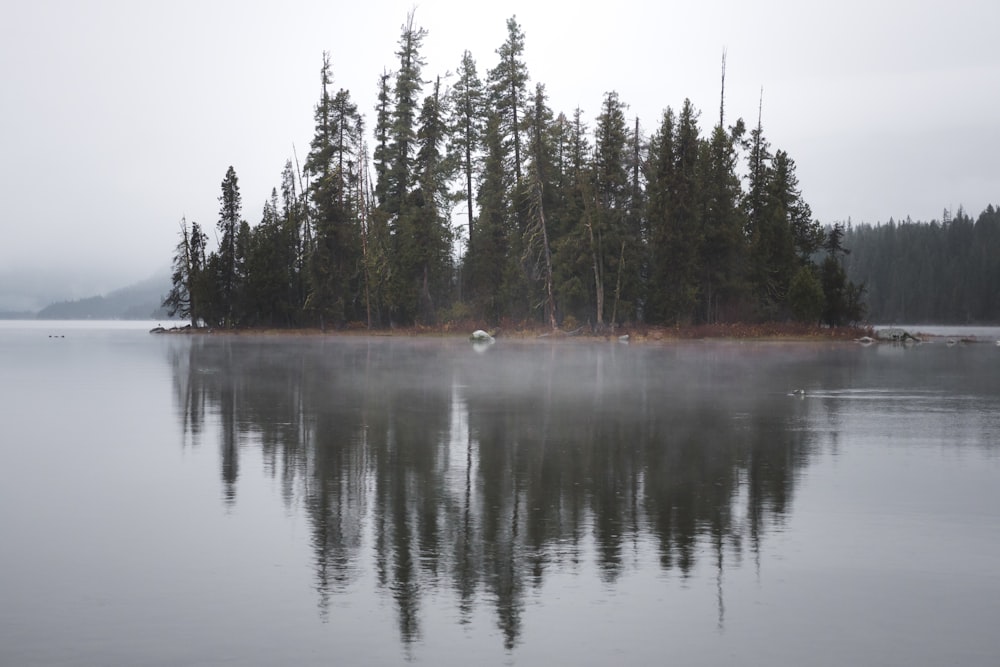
598 281
550 297
618 287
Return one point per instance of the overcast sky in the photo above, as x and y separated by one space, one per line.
119 117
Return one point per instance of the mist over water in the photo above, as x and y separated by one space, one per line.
375 500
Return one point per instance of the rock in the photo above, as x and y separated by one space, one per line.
480 336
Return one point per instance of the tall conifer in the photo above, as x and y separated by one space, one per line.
335 149
466 135
229 226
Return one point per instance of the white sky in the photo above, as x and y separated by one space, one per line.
121 116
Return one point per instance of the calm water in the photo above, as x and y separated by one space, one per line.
169 500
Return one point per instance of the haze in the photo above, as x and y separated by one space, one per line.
121 117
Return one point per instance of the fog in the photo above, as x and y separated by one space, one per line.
29 289
377 500
122 117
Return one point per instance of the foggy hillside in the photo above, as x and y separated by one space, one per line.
47 295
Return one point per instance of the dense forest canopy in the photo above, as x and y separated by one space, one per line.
475 200
946 271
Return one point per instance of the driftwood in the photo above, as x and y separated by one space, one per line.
180 330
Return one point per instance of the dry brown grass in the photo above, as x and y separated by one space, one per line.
780 331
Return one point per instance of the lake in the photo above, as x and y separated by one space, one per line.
252 500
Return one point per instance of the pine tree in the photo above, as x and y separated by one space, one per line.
722 256
241 301
557 230
187 277
807 233
382 157
805 296
779 229
489 243
297 235
423 243
267 269
398 208
843 299
786 235
467 128
673 205
334 150
376 234
230 251
509 91
508 100
616 247
758 166
541 196
577 282
402 133
636 224
660 167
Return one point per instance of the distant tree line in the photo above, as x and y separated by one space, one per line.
140 301
945 271
476 201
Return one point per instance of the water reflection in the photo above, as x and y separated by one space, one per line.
477 475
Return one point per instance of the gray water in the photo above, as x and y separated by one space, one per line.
210 500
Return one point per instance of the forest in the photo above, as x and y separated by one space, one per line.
475 201
945 271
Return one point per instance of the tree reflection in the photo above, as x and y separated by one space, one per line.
477 475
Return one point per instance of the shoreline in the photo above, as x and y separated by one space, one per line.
776 332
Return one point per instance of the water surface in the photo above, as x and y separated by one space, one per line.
203 500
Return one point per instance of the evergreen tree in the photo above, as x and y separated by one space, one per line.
660 166
298 237
509 90
781 232
467 99
230 257
807 233
402 133
557 230
334 152
377 268
833 241
423 236
541 198
271 270
398 209
686 214
843 299
635 220
241 297
489 242
722 256
805 296
674 217
576 283
212 301
936 271
376 234
508 100
758 165
382 156
616 249
187 277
